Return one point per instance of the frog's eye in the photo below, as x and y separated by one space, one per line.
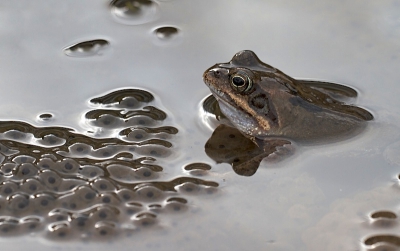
241 82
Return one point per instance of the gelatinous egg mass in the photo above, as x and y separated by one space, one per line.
134 12
87 48
66 185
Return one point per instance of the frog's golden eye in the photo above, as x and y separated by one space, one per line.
241 82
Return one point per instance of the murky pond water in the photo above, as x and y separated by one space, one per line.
102 128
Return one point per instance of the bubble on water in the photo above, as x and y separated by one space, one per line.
167 36
384 242
383 214
87 48
134 12
45 117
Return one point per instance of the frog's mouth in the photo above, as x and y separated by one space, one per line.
220 96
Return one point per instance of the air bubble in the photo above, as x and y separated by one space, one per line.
45 117
87 48
383 214
134 12
167 36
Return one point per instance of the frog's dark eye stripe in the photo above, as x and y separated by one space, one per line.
241 82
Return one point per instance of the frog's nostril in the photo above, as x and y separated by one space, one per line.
217 73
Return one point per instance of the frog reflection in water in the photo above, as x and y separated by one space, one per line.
270 109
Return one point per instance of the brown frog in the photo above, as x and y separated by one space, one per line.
270 108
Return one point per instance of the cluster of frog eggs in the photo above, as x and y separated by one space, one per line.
128 12
68 185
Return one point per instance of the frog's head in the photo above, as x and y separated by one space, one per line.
241 97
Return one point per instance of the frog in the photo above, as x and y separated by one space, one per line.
272 109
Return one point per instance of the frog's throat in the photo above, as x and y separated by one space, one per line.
233 102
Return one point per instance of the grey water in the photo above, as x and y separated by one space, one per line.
93 190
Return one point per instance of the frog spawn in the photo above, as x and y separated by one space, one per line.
65 185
